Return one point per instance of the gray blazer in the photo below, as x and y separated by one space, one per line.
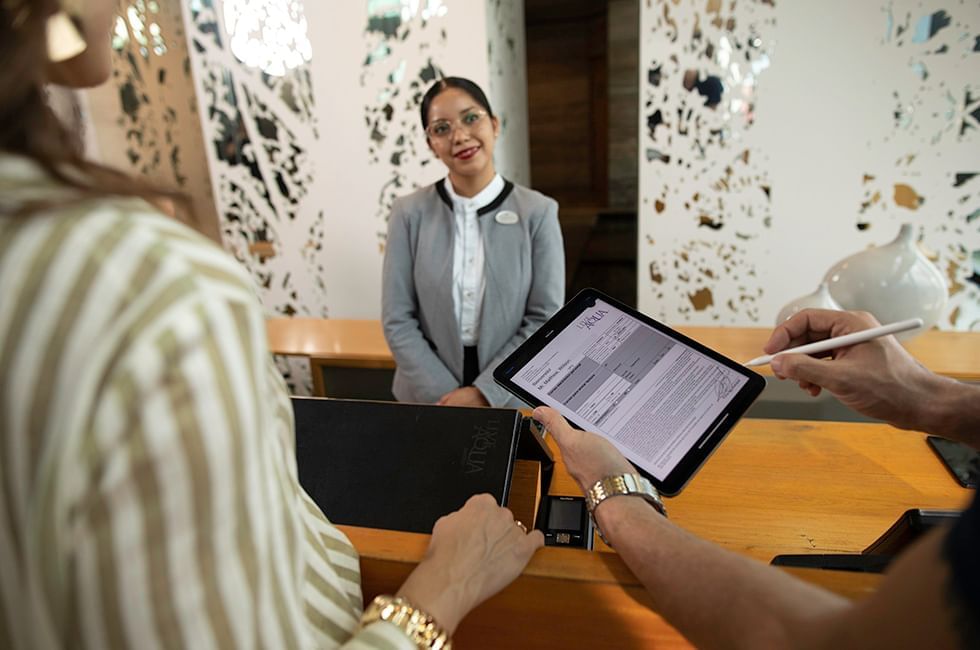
525 285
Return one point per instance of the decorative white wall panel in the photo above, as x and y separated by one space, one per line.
777 138
372 62
260 130
145 120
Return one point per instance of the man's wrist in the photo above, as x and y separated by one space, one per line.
952 411
614 516
588 479
616 486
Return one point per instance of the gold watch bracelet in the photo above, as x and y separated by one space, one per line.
626 484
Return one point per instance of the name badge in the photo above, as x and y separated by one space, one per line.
506 217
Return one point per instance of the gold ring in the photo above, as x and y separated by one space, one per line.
522 527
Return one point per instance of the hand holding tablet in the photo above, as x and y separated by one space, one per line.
663 400
588 458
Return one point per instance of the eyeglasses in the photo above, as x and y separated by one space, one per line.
442 129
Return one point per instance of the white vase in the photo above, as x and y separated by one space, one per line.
819 299
893 282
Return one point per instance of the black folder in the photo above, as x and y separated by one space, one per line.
402 466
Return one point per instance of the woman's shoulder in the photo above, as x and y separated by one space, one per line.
115 274
169 242
532 202
418 202
132 248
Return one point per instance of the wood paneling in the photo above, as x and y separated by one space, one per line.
624 96
567 100
582 59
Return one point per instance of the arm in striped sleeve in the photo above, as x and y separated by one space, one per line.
187 533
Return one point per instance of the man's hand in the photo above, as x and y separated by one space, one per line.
878 378
588 457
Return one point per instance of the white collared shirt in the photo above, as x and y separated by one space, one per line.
469 280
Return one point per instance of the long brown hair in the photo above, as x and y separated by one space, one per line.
30 128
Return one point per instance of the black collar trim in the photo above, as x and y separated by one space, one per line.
443 194
493 205
489 207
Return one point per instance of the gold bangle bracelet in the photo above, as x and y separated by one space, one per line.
421 628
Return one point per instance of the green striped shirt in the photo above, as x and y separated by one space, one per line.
148 487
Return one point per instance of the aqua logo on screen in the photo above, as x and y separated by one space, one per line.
592 320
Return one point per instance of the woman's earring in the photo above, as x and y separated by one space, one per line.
64 40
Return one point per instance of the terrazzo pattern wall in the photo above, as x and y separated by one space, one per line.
251 68
145 120
777 138
404 44
259 125
705 188
933 135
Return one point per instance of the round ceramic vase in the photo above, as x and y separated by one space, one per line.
819 299
894 282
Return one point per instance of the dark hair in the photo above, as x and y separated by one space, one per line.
445 83
30 128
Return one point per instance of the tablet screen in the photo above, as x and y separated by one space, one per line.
652 395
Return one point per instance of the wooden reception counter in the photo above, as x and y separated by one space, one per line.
773 487
361 343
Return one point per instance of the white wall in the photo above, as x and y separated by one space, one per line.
824 139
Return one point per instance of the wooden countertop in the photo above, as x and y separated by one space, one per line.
358 340
773 487
953 354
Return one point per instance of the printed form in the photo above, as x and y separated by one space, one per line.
649 395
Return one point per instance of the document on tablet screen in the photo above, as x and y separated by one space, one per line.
650 395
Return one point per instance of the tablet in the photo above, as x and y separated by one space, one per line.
664 400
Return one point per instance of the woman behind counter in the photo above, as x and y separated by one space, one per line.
474 263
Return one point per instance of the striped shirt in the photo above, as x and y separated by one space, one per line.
148 486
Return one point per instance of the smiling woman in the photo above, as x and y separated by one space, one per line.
449 319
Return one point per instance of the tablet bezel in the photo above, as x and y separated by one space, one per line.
714 434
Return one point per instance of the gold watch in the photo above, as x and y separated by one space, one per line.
419 626
627 484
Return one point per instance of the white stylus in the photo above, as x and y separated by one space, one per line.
841 341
